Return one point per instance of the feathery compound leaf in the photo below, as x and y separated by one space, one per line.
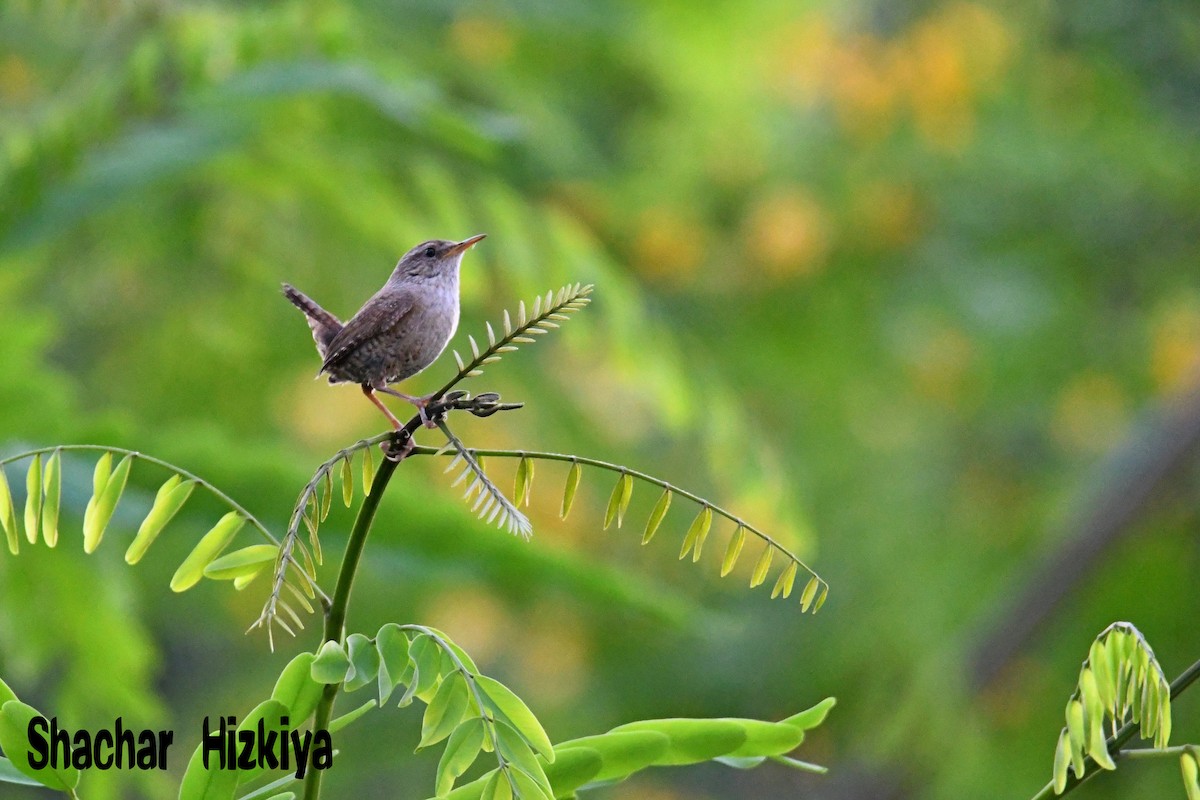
170 498
761 568
656 516
501 509
570 299
206 550
33 499
8 516
523 481
52 486
569 490
100 508
1122 679
696 531
733 550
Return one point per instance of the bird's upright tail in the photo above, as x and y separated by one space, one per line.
324 325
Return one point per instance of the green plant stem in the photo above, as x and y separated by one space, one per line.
335 617
1160 752
1123 735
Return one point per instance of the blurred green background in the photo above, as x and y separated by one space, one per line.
912 284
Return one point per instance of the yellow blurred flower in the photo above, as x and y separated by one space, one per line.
481 40
474 619
667 245
16 79
788 233
1175 346
939 364
1091 414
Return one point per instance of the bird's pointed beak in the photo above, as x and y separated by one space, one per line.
464 245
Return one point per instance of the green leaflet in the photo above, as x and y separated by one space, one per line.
810 589
514 749
331 665
733 550
446 710
170 498
15 717
569 490
1062 760
33 499
626 485
810 718
656 516
523 481
365 660
528 788
100 508
783 584
101 473
368 470
696 532
426 657
496 788
692 740
763 565
821 597
10 774
246 561
462 748
1191 775
297 689
213 783
614 502
206 550
392 645
619 753
52 488
347 482
337 724
504 701
271 712
8 516
326 495
1076 736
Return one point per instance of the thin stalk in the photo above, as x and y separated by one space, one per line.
224 498
1123 735
1160 752
335 617
421 450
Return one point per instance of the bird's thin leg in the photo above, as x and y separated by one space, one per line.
419 402
370 393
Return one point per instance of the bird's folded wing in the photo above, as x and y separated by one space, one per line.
379 317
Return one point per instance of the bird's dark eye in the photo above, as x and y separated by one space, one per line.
430 252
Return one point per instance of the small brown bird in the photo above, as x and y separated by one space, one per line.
400 331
